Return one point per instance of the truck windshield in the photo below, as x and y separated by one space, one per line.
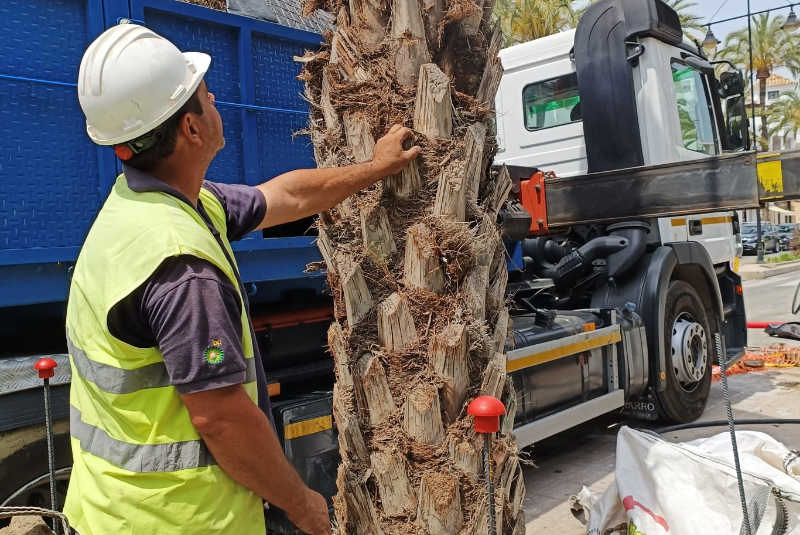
552 103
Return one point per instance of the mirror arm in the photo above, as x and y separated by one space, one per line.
726 62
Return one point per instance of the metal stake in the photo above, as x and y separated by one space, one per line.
45 368
487 468
51 461
486 411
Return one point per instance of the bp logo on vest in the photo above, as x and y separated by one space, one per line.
214 354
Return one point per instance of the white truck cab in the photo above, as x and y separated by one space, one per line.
540 122
624 98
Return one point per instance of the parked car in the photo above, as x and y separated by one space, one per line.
770 239
788 236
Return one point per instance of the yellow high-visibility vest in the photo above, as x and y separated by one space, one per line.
140 466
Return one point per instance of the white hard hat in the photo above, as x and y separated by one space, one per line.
131 80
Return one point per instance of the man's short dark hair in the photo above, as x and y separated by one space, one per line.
149 159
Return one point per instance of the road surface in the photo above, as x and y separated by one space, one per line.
770 300
585 455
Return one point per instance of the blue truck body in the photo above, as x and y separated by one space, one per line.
53 180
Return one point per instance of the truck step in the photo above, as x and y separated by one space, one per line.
734 355
540 429
17 373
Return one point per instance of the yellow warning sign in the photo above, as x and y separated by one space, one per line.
770 176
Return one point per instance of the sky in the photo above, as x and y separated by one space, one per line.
734 8
706 9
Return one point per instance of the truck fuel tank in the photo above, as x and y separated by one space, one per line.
561 359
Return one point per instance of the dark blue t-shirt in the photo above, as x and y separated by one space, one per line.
189 306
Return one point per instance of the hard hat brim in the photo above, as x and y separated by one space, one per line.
201 62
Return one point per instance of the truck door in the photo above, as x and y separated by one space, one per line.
677 122
699 138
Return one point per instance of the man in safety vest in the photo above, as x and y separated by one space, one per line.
170 419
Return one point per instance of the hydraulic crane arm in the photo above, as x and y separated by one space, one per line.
730 182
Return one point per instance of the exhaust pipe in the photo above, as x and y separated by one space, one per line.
566 272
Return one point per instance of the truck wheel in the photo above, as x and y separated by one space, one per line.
24 473
690 353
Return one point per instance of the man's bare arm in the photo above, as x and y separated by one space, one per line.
243 442
305 192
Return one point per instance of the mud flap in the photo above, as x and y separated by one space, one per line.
644 407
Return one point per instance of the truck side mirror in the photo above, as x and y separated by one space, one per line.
731 83
736 123
699 64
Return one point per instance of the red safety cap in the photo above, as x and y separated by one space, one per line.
45 367
487 411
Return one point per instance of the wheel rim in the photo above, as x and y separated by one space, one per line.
689 351
36 493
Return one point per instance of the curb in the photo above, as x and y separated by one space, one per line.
763 272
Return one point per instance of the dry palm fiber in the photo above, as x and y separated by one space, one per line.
415 265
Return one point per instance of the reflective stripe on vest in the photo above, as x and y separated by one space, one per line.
138 457
120 381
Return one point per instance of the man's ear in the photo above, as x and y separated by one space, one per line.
190 129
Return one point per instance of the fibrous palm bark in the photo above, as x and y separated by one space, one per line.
416 266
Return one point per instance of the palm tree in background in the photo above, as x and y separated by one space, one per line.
526 20
785 113
773 48
691 22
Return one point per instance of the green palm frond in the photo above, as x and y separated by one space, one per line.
691 23
773 47
525 20
785 114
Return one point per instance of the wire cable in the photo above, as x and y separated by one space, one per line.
722 364
717 11
723 423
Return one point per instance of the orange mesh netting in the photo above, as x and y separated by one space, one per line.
776 356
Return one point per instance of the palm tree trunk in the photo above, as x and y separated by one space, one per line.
762 94
415 266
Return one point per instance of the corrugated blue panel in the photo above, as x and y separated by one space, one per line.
220 42
53 179
216 40
49 170
278 152
43 38
275 72
277 86
228 166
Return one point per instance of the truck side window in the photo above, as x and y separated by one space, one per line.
552 103
694 110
